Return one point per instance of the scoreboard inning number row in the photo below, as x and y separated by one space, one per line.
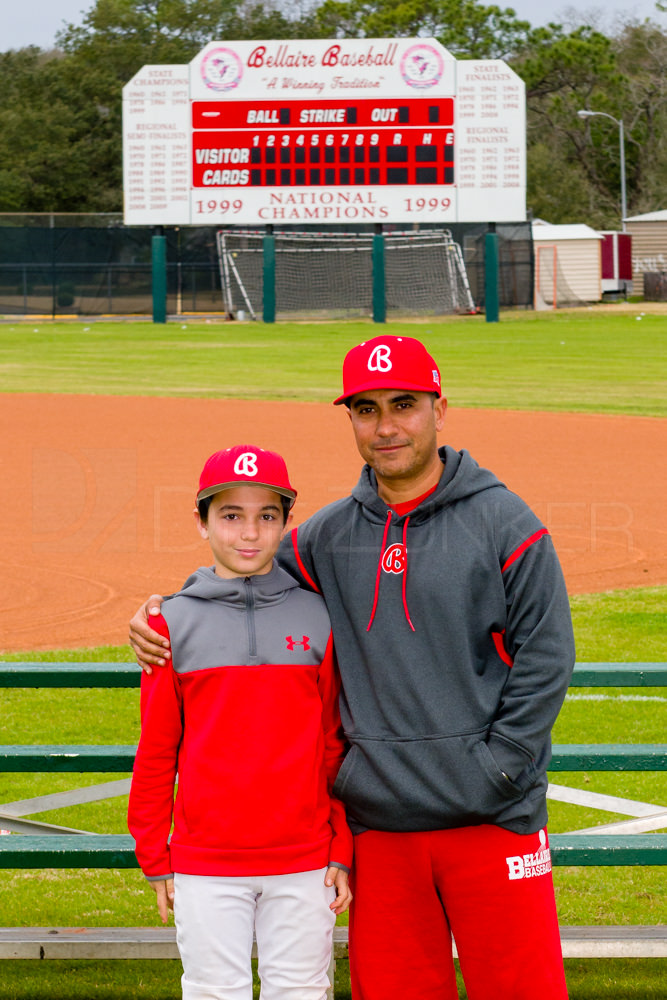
243 144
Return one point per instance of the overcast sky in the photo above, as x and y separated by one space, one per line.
35 22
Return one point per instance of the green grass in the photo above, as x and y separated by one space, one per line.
623 626
613 979
602 362
98 654
67 980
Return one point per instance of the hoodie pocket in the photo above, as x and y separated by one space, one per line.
428 783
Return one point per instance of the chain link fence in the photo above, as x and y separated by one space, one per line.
93 265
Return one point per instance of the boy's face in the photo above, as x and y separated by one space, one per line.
244 529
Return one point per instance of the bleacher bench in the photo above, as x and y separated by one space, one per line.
59 850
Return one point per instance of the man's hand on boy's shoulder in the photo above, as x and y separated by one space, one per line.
339 879
150 648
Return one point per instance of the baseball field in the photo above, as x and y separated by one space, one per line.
105 428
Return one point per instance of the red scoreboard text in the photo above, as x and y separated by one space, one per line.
327 143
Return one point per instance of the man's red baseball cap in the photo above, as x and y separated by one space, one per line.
389 363
245 463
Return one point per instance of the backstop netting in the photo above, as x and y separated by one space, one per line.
330 275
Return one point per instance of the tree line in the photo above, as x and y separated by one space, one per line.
61 110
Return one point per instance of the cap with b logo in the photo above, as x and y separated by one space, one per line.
389 363
245 463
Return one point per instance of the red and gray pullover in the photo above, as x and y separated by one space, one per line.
246 714
455 647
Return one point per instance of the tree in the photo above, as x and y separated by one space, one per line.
130 33
61 113
38 124
117 38
641 51
465 27
623 75
566 72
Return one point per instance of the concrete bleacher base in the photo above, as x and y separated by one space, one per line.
104 943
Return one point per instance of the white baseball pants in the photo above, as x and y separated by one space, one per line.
215 917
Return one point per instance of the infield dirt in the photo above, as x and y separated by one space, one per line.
97 492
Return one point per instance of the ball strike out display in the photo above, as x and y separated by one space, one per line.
334 143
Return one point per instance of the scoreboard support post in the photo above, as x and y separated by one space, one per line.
269 276
159 278
379 296
491 278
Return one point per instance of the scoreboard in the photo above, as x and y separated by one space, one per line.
315 132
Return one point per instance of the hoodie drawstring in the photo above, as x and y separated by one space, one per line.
405 573
377 575
376 595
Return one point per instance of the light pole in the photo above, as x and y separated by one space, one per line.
621 140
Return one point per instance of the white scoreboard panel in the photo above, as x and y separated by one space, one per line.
320 132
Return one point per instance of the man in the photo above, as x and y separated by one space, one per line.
453 634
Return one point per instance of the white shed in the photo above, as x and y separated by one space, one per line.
567 264
649 245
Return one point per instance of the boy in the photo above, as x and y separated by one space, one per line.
246 712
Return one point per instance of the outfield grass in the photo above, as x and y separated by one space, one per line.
603 362
621 626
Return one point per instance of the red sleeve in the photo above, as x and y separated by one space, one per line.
156 764
335 749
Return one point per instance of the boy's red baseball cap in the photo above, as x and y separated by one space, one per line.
245 463
389 363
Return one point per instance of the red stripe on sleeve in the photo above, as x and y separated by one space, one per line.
499 643
522 548
306 575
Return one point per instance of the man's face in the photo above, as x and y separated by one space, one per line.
396 431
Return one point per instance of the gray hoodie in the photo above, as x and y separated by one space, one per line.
244 620
454 640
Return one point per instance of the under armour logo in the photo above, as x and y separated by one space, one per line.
380 359
393 561
246 464
291 643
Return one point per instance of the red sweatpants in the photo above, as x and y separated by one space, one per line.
489 888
